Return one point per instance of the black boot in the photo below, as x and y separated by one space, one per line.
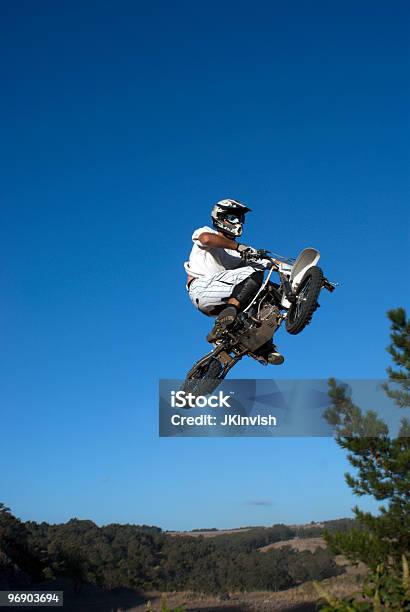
223 321
274 357
269 352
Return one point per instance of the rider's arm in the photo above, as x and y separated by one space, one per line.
208 239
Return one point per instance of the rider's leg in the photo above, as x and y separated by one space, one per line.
234 302
222 322
244 292
210 293
242 295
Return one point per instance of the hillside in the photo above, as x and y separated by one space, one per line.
136 563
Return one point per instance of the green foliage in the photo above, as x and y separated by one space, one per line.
14 544
384 589
382 463
145 558
399 349
382 470
315 531
255 538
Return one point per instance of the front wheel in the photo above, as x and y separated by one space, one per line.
301 311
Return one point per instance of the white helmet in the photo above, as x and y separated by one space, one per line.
228 216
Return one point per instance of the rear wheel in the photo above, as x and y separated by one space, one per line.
203 379
301 312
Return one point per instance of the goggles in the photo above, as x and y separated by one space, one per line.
232 218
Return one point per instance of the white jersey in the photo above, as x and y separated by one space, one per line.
208 261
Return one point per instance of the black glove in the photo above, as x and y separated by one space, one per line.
248 253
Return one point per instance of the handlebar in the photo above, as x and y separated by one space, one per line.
260 254
266 254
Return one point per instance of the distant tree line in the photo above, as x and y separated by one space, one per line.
328 527
146 558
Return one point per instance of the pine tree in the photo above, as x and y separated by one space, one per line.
382 463
399 349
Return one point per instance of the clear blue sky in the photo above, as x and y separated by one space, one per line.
121 124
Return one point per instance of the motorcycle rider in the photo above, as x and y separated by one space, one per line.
220 281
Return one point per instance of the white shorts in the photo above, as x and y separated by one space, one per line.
207 292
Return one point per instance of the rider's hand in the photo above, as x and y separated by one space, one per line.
247 252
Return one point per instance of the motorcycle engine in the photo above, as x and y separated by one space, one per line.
258 330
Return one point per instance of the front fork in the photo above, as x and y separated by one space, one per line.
287 287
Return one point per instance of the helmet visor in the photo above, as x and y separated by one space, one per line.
234 218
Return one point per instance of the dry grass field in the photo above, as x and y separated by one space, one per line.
298 599
298 544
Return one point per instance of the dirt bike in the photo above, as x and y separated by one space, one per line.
294 300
